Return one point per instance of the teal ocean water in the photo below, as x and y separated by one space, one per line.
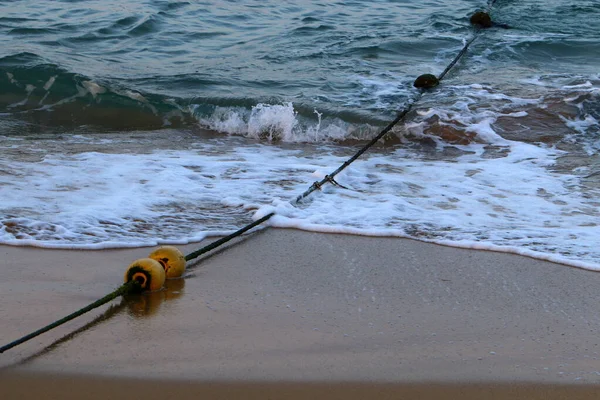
136 123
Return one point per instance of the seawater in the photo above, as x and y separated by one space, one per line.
129 124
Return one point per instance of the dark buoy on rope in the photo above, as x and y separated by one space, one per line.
481 19
426 81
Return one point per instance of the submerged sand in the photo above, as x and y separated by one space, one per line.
299 307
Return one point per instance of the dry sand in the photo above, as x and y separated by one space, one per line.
330 315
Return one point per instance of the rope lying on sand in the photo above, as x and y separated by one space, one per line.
121 290
149 274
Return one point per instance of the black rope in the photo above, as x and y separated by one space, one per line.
459 55
123 289
312 188
328 178
335 183
227 238
465 47
112 310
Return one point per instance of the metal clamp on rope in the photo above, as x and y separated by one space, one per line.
317 185
334 182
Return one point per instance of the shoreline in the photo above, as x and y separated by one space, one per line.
291 306
209 237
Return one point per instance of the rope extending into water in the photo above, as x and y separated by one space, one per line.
132 285
459 55
121 290
329 178
227 238
312 188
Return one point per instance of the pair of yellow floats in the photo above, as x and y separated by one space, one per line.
166 262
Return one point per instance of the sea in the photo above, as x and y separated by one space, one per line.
137 123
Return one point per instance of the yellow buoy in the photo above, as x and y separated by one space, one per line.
172 260
149 274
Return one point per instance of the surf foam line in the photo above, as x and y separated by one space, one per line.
330 177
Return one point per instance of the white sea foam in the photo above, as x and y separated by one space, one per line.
513 203
93 88
50 82
11 78
275 122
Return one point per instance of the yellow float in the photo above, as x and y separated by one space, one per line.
172 260
148 273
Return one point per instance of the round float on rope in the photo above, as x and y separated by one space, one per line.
481 19
426 81
172 260
148 273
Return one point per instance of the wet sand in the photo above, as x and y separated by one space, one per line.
286 311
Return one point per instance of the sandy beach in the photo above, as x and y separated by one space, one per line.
286 313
